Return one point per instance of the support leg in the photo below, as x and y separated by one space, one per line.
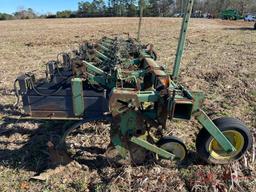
207 123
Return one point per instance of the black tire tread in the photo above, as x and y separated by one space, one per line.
224 124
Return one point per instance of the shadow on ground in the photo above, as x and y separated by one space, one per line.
241 28
32 153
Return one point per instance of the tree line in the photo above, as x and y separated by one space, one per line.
130 8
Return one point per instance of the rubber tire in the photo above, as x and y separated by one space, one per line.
168 139
224 124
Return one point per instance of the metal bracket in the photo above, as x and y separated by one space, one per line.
116 140
159 151
77 96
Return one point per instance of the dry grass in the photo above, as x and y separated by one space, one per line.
219 60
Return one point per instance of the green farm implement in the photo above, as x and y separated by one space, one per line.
119 80
230 14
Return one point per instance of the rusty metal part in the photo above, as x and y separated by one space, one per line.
121 78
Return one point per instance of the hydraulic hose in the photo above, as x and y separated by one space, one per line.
44 94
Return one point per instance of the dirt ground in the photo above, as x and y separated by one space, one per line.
219 60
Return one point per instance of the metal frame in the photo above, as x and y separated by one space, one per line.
200 115
171 100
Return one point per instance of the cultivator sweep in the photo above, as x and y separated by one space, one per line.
119 80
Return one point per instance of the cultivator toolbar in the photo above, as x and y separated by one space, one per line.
119 80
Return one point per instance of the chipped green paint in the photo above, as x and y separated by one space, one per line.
77 96
214 131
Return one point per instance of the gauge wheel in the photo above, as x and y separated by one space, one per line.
236 132
173 145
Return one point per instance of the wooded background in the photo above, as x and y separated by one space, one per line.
130 8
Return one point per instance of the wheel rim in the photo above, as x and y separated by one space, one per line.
235 138
175 148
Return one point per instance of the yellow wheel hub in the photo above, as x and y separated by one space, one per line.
235 138
175 148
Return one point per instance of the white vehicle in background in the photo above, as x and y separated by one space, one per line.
249 18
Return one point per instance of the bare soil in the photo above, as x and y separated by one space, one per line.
219 60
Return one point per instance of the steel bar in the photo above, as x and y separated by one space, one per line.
153 148
140 21
182 39
214 131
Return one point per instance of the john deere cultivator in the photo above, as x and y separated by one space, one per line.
119 80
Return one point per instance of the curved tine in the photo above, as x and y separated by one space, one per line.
78 124
69 130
